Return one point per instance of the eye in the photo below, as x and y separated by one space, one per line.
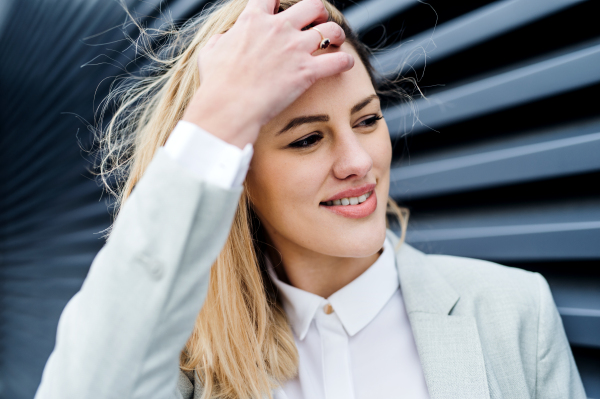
370 121
307 141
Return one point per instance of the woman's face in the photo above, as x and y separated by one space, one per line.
328 145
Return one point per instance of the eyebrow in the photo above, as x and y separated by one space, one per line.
363 103
323 117
302 120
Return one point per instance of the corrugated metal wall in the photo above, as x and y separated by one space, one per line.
502 165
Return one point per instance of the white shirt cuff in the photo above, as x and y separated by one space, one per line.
208 157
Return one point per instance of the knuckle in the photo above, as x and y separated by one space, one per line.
318 6
309 78
338 33
305 76
342 32
289 48
279 25
294 45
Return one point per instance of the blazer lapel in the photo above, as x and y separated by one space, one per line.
449 346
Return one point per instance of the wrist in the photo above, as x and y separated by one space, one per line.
228 120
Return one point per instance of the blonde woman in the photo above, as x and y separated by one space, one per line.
250 257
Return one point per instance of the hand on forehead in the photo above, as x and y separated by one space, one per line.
263 64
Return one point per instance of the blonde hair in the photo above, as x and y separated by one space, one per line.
242 345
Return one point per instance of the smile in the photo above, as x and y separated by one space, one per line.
349 200
354 203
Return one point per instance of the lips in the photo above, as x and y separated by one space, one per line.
352 192
353 203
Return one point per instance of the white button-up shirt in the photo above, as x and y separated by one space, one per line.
356 344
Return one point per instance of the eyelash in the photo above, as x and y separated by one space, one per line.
315 138
372 120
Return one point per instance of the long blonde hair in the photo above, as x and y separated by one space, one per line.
242 345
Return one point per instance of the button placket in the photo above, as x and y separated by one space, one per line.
337 376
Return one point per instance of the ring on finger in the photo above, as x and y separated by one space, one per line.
325 42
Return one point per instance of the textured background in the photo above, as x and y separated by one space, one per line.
504 163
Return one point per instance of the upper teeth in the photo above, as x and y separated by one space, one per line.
350 200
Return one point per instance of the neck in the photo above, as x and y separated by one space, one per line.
314 272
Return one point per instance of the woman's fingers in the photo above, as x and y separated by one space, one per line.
258 79
304 13
330 30
329 64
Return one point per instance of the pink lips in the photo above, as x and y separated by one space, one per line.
354 211
352 192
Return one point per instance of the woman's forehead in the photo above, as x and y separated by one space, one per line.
334 94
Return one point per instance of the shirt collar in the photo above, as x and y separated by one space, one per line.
356 304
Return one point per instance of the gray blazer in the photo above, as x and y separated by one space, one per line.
482 330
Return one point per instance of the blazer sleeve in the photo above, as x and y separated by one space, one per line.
121 335
557 374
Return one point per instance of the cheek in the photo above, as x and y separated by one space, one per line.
383 152
282 186
379 147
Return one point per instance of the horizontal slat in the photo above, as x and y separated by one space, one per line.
470 233
535 156
468 30
557 231
575 295
580 312
578 300
370 12
564 72
582 326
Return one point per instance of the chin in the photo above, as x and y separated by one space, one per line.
359 242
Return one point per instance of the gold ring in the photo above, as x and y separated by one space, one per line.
325 42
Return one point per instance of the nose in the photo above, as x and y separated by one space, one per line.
351 160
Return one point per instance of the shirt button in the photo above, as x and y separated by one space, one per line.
328 309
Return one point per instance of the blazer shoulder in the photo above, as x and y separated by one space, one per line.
485 284
480 269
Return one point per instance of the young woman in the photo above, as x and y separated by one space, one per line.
252 235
